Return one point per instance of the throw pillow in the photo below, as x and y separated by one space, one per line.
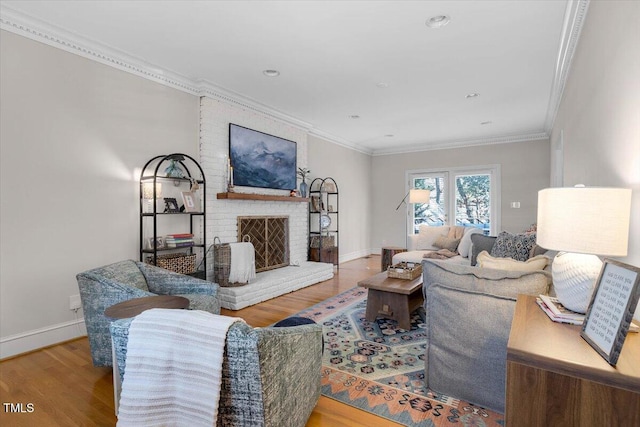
443 242
532 264
516 246
464 248
428 235
480 243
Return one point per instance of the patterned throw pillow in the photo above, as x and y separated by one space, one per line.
516 246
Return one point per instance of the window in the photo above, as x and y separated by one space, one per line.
469 196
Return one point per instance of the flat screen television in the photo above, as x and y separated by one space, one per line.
262 160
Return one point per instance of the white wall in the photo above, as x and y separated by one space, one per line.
352 172
524 169
600 110
599 116
73 134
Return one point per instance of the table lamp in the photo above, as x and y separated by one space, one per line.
582 222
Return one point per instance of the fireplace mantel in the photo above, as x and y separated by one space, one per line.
264 197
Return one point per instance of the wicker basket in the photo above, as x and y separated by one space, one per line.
327 241
179 263
404 270
222 264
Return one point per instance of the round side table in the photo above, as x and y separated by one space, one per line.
133 307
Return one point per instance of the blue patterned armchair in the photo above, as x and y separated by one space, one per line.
103 287
270 376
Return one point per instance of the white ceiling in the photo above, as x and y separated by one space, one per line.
334 55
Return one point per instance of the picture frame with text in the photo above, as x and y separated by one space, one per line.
611 309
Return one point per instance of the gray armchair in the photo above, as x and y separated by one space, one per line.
468 320
103 287
270 376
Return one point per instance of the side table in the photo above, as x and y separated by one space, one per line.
133 307
387 256
555 378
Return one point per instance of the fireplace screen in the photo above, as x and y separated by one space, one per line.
270 238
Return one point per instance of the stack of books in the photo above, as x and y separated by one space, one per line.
558 312
561 314
179 240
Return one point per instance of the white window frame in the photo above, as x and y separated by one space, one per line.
450 176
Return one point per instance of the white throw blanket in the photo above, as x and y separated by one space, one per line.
243 262
173 368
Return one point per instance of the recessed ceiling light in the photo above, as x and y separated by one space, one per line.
472 95
438 21
271 73
383 85
354 116
488 122
389 135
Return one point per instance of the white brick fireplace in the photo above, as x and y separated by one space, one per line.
215 116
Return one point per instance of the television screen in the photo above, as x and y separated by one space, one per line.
262 160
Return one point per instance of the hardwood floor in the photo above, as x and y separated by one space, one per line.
65 389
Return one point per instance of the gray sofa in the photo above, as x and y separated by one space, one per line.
270 376
468 320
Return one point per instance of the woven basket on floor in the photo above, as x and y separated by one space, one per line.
222 264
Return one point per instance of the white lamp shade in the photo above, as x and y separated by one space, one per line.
419 196
587 220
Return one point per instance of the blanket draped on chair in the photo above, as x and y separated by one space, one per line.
173 368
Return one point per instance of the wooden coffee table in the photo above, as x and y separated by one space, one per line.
133 307
392 298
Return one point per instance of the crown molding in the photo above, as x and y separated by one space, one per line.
339 141
572 27
35 29
443 145
21 24
214 91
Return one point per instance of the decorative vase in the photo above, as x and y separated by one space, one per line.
173 170
303 189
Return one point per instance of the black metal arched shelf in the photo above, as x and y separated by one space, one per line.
185 175
324 221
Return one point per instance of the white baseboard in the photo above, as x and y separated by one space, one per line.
354 255
39 338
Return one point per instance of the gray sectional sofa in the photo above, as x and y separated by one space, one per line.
468 320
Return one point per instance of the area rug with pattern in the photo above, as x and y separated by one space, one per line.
379 367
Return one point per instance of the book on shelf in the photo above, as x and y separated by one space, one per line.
559 313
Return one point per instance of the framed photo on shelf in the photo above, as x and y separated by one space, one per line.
171 205
157 242
611 309
191 201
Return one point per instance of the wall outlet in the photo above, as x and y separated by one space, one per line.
74 303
